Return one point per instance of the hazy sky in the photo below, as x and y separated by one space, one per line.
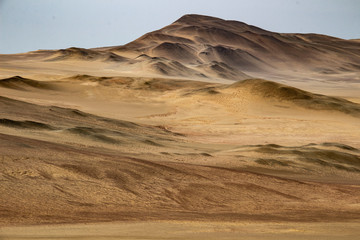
27 25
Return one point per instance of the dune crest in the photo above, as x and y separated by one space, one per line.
21 83
281 92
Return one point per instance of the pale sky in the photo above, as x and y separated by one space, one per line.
27 25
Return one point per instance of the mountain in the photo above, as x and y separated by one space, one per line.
202 47
197 41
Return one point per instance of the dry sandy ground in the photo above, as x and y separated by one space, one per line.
174 150
186 230
133 142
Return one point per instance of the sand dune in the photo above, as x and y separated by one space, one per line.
24 124
21 83
302 160
280 92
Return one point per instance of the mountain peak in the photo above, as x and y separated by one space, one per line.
195 18
214 22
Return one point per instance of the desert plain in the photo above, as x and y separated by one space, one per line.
204 129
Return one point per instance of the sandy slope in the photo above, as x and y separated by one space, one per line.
188 230
198 151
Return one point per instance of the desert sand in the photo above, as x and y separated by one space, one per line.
187 230
205 128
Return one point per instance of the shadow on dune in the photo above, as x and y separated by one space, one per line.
279 92
328 155
20 83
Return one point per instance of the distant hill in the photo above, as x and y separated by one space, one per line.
197 46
